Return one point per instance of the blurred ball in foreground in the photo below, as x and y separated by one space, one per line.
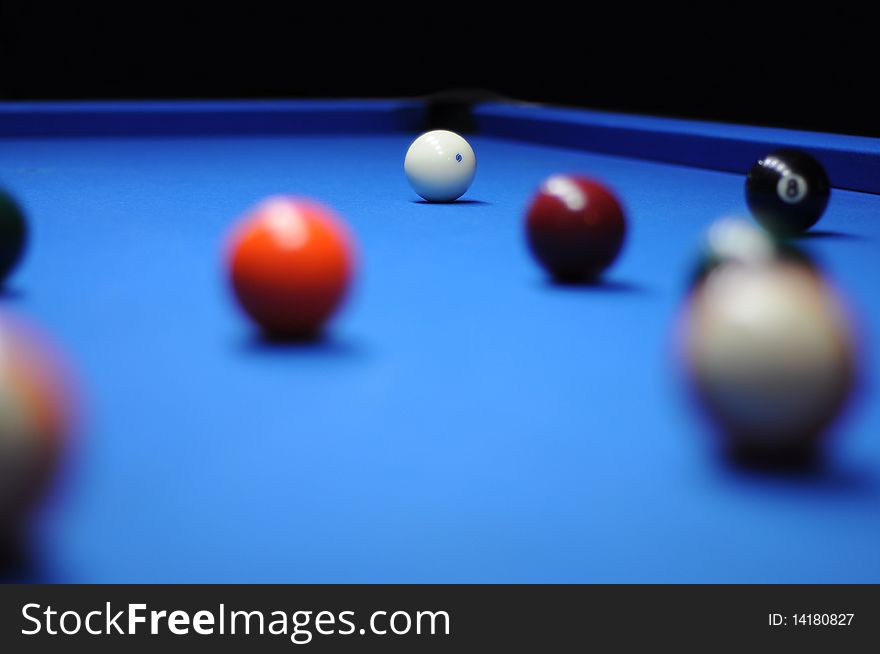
770 353
35 420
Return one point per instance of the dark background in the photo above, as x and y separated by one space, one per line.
802 66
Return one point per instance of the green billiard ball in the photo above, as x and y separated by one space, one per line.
13 235
737 241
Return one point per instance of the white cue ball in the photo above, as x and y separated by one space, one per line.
771 353
440 166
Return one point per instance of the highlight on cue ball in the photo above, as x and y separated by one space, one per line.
440 166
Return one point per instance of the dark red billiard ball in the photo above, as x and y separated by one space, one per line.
290 262
575 227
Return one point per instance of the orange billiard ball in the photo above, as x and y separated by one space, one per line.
290 262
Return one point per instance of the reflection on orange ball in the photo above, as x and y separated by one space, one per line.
290 263
36 419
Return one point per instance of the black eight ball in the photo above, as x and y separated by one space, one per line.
787 191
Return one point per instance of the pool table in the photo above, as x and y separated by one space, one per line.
463 419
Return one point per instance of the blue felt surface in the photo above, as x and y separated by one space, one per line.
852 162
464 422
